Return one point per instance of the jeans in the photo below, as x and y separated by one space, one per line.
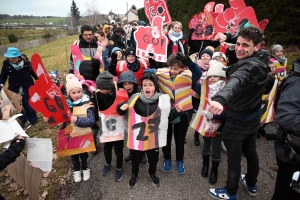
215 143
283 191
137 157
76 161
179 135
118 146
240 137
28 113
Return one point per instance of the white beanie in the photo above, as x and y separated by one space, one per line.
218 53
216 69
72 82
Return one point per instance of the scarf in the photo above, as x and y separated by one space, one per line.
203 66
215 88
176 37
18 66
84 98
281 60
135 66
144 99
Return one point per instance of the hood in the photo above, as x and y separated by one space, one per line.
296 65
104 27
127 76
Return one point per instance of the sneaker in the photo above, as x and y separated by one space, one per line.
154 179
118 175
132 181
128 158
251 190
221 193
167 165
77 176
106 169
144 161
180 167
223 146
86 174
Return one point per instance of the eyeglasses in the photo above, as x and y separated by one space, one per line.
87 35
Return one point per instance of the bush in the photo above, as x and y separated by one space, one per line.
12 38
47 35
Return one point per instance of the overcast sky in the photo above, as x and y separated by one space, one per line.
62 7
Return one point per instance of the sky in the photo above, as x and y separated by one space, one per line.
61 8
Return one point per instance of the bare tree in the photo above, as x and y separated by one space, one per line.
92 14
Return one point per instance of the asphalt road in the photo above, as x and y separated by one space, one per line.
190 185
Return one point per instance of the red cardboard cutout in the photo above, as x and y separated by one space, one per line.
157 8
77 59
152 40
263 23
46 97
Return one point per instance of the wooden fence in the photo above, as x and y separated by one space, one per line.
30 44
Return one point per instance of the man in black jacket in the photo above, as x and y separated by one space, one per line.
242 95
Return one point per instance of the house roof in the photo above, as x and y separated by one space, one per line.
133 11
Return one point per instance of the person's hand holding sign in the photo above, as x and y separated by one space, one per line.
214 107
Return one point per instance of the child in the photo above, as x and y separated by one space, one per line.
107 99
216 80
146 104
219 56
17 69
129 82
77 98
277 53
54 78
174 76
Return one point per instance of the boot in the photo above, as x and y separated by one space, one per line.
196 139
204 171
213 178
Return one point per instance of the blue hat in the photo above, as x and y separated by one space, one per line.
142 23
12 52
116 49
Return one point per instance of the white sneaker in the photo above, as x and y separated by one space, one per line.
86 174
77 176
223 146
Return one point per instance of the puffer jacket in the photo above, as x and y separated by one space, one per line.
247 80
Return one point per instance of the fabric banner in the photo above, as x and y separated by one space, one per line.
267 106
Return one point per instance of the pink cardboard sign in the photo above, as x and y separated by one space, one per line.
157 8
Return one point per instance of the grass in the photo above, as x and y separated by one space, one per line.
26 34
54 20
55 55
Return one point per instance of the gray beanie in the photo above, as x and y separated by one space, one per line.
216 69
275 48
104 81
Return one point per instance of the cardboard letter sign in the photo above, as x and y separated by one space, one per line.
157 8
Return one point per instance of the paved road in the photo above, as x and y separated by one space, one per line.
190 185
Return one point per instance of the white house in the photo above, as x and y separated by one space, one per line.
132 15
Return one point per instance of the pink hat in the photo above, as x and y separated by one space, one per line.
72 82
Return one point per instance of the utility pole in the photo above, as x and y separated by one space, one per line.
127 12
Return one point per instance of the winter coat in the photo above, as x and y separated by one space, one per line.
22 78
12 153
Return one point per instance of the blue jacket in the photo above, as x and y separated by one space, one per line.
16 79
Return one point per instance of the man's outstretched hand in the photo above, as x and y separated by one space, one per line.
214 107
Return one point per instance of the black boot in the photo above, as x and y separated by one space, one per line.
213 178
196 139
204 171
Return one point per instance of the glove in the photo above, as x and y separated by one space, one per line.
114 59
209 115
184 59
149 70
95 64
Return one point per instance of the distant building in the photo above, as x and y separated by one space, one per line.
132 15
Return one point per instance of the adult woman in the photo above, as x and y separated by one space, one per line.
176 42
18 69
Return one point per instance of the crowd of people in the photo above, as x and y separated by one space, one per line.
237 77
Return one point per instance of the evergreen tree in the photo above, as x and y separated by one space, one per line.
75 14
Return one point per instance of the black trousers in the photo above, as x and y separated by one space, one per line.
137 157
76 161
118 147
283 191
180 129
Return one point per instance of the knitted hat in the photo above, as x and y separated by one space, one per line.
207 51
219 54
130 51
216 69
115 49
104 81
152 77
275 48
72 82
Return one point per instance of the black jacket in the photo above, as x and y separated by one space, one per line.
17 79
146 110
12 153
247 80
171 43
